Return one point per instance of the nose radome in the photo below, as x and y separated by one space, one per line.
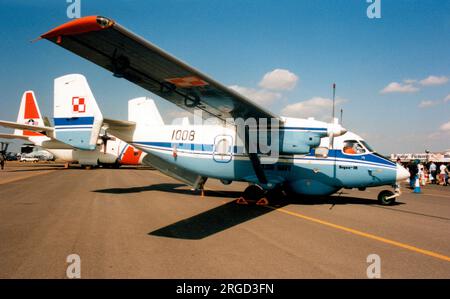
402 173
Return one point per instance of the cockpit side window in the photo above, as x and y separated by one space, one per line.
353 147
367 146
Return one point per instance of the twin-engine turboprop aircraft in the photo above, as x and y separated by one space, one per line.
30 126
306 157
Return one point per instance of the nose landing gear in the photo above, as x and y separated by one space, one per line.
387 197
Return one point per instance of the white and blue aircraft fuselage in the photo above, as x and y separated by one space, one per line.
211 151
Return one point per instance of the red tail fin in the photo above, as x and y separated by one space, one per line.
29 114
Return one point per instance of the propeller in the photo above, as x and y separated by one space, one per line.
335 129
105 137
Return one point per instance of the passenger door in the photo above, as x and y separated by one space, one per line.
223 145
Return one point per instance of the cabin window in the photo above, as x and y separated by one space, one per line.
222 147
353 147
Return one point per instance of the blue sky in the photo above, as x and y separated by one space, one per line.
238 42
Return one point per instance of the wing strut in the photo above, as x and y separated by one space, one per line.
254 158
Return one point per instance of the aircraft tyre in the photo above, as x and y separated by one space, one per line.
383 198
253 193
276 194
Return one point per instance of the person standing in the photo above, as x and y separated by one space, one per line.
446 175
2 161
413 170
433 172
442 174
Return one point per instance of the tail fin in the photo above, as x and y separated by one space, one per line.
144 111
77 117
29 114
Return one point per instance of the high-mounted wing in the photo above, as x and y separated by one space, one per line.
106 43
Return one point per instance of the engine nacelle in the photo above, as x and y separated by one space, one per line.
299 142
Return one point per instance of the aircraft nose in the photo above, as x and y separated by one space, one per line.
402 173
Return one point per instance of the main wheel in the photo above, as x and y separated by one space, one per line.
253 193
383 198
276 194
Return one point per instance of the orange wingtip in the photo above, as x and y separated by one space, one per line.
79 26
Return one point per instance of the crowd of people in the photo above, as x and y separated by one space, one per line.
429 173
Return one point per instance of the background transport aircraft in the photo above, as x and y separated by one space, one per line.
30 126
316 158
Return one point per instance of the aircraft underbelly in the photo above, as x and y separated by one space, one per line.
66 155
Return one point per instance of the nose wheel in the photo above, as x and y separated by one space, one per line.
386 197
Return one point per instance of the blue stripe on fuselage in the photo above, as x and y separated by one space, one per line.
73 121
303 128
367 159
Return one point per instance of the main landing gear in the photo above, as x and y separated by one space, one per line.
254 194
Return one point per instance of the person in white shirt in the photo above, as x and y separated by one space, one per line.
443 174
433 173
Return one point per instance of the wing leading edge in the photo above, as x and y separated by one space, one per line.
126 55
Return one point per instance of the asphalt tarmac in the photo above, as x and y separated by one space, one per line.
139 223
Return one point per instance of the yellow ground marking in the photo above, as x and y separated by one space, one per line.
7 181
357 232
366 235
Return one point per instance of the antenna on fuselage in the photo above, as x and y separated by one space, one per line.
334 96
331 136
342 112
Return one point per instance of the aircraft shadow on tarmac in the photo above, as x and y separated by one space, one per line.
169 187
227 215
211 222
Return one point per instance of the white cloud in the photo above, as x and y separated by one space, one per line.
442 134
399 87
427 104
316 107
447 98
409 81
445 127
260 96
434 80
279 79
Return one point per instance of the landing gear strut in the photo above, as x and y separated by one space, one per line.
387 198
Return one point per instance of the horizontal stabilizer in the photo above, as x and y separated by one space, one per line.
13 136
115 123
15 125
48 144
122 129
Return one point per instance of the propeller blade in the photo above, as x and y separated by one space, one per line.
105 139
331 144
